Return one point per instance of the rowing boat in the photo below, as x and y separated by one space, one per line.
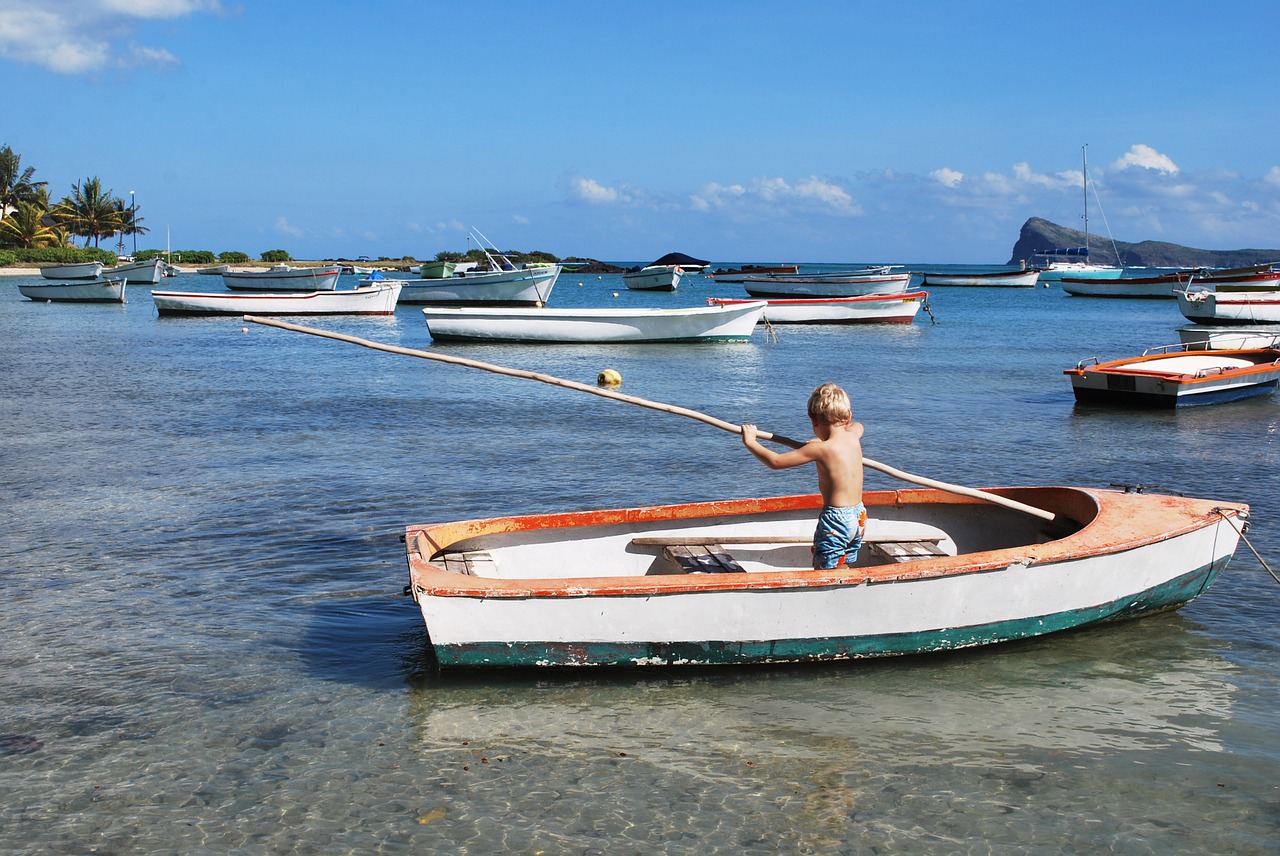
863 309
729 582
592 325
367 300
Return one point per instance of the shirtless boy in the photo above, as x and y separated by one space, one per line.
836 449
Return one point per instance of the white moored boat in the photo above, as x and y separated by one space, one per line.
1230 307
515 287
826 285
82 270
865 309
1005 278
1230 338
138 273
78 291
691 324
730 581
653 278
284 278
367 300
1167 285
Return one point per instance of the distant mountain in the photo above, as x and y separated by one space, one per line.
1038 234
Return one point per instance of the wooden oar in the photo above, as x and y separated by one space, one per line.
652 405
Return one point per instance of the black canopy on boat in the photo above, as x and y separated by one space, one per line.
1064 251
679 259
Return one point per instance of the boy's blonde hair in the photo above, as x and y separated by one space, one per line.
829 405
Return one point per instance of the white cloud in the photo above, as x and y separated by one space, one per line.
947 176
1273 176
590 190
81 36
520 219
777 192
1148 158
282 225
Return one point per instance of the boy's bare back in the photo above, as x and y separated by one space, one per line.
836 448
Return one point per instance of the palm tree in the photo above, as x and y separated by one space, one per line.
16 185
130 222
25 228
89 212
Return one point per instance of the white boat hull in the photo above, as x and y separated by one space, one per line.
523 287
138 273
593 325
1230 338
1006 279
653 278
91 291
371 300
293 279
1054 273
600 592
1234 307
895 283
83 270
867 309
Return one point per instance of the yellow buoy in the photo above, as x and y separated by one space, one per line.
609 377
615 294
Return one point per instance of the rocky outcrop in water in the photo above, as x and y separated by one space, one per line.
1039 234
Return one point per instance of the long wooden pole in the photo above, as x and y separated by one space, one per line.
644 402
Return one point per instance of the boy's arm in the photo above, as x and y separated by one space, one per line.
773 460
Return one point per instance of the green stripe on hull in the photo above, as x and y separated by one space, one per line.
1167 596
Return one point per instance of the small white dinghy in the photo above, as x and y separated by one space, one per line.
865 309
81 270
369 300
79 291
588 325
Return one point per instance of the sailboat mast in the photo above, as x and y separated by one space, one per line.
1084 160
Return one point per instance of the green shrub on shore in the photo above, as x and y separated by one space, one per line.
233 257
57 256
276 256
191 257
7 258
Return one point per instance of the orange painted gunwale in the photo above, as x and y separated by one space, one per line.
1115 522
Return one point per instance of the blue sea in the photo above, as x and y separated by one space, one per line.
206 647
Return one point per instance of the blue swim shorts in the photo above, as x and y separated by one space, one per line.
838 537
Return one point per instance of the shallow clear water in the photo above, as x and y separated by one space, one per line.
206 648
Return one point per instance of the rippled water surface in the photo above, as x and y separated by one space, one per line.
206 648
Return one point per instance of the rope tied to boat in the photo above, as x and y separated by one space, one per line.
1240 530
927 308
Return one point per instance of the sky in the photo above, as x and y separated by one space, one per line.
893 131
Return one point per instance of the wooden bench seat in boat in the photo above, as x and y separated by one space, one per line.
473 564
701 555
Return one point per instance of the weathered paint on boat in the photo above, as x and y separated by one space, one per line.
1123 555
